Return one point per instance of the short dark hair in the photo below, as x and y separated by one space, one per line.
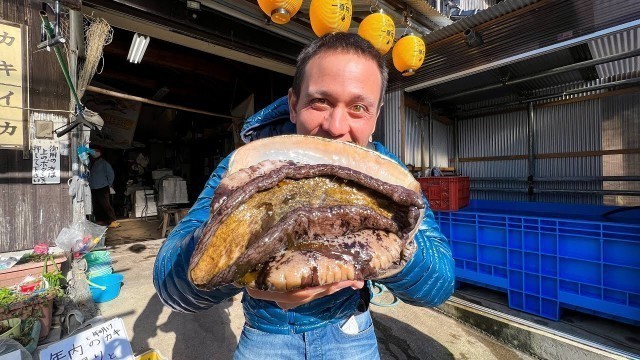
349 43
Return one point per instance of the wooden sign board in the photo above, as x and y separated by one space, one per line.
12 85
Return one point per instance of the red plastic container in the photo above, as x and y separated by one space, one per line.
446 193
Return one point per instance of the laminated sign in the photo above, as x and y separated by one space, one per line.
106 341
11 85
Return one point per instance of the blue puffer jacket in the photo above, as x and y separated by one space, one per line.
426 280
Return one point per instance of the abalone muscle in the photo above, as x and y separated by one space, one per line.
297 211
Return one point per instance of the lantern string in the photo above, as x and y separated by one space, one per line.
376 6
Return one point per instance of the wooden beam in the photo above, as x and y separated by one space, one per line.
551 155
155 103
588 153
423 110
630 90
515 108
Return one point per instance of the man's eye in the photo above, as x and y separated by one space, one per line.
319 102
358 108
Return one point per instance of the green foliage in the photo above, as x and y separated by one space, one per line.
26 328
8 297
54 278
32 257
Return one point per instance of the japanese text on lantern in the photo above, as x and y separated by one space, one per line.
11 83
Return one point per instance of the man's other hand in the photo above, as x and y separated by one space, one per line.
295 298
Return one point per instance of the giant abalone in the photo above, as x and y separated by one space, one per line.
296 211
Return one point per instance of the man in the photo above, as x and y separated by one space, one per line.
101 182
337 93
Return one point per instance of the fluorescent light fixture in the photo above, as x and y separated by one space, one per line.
138 47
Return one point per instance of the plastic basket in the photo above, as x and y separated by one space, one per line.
105 288
100 270
446 193
98 258
14 325
151 355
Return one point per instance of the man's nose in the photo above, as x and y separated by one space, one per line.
336 123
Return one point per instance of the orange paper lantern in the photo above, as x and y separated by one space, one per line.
329 16
280 11
408 54
379 30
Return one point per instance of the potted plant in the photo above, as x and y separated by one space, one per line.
38 303
10 327
29 333
29 264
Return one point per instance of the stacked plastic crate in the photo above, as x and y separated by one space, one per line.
446 193
545 263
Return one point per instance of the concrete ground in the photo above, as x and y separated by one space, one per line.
404 331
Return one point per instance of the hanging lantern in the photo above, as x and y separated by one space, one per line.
408 54
379 30
280 11
329 16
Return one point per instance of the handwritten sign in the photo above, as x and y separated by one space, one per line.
11 83
107 341
46 163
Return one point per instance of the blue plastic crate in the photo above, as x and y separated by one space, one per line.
547 263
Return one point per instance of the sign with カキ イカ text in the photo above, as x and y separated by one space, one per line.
11 85
107 341
46 162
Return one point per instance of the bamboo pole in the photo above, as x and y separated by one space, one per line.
116 94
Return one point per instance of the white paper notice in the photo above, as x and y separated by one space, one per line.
106 341
46 163
14 355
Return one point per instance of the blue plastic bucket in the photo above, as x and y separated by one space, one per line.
105 288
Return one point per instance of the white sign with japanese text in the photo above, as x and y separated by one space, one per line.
107 341
46 162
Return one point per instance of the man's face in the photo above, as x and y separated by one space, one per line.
339 98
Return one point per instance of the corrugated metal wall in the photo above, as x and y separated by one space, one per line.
416 145
495 135
615 44
539 25
621 130
416 134
609 123
417 141
574 127
475 4
442 144
393 112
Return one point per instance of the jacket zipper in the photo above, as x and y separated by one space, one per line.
291 316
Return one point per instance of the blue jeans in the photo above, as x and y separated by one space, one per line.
330 342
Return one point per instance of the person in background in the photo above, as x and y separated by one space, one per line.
337 93
101 178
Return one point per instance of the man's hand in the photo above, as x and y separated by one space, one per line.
292 299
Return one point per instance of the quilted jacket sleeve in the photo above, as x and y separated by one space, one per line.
172 263
428 278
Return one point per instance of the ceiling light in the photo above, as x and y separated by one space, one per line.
193 5
138 47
